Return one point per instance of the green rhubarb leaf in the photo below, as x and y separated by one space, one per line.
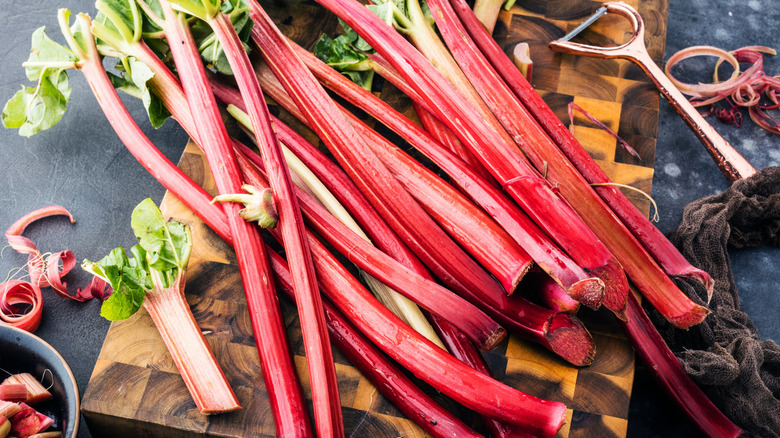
159 261
210 49
167 244
46 55
34 109
347 53
135 82
128 281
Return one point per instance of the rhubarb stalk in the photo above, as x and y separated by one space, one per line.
546 254
507 164
322 371
575 187
154 279
397 207
669 373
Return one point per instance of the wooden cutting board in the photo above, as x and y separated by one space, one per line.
135 389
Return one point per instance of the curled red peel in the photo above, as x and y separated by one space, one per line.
21 301
744 88
21 304
14 233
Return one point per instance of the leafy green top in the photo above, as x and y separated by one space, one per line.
159 262
34 109
118 26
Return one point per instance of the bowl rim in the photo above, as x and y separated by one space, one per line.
65 366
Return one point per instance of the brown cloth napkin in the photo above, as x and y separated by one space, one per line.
725 354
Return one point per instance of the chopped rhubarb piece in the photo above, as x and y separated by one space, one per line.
29 422
5 427
36 393
13 392
9 409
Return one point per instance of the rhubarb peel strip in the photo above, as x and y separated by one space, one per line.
16 295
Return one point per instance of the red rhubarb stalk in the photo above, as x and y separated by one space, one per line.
668 372
484 239
443 256
319 357
427 361
559 333
546 254
443 135
640 266
429 295
505 162
491 107
375 366
267 323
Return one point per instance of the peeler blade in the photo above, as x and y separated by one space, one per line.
584 25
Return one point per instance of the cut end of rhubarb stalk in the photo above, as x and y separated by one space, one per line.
494 339
521 56
589 292
510 283
699 276
615 287
569 338
693 316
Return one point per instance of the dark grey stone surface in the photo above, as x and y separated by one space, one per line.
82 165
684 172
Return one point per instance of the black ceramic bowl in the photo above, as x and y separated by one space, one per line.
20 352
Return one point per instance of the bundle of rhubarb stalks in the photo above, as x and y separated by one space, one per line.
507 226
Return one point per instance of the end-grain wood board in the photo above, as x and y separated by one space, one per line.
135 389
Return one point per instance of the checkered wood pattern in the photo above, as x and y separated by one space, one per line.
135 389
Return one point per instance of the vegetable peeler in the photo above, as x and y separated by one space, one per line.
731 163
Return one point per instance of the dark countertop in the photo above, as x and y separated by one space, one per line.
82 165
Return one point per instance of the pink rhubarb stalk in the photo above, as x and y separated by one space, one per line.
376 367
546 254
322 370
576 189
398 208
267 322
173 318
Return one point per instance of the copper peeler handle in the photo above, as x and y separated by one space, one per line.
731 163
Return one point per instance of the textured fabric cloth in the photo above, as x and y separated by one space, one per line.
725 354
